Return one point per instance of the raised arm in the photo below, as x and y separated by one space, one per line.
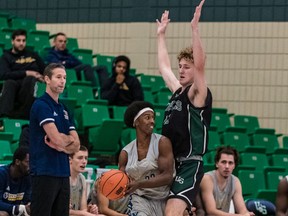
163 57
282 198
198 91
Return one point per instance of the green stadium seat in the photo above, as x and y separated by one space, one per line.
243 167
72 43
100 139
209 156
38 39
14 126
22 23
70 103
273 179
268 141
267 194
71 76
127 135
236 137
251 181
1 49
208 167
90 115
5 37
105 60
80 90
5 150
118 112
214 139
159 116
84 55
279 160
251 123
285 141
133 71
40 88
258 160
5 162
148 96
156 82
3 22
8 136
162 96
221 121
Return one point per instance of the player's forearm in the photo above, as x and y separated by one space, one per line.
158 181
163 57
71 149
66 140
280 213
198 50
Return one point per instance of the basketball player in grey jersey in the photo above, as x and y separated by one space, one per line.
148 161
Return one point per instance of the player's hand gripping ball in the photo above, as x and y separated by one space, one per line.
112 184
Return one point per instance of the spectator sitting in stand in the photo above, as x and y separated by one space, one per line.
219 187
15 185
20 68
78 189
121 89
60 54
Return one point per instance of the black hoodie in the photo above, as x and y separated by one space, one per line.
14 65
122 94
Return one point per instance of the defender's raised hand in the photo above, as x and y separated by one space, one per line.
197 14
162 25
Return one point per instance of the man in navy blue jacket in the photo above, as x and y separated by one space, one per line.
15 185
60 54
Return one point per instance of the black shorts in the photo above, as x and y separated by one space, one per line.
50 196
186 184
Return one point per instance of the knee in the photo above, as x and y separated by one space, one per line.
2 213
87 67
9 83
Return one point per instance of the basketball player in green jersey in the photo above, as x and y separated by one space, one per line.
187 116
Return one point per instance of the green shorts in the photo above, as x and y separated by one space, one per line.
186 184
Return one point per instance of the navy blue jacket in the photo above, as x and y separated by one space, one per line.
63 57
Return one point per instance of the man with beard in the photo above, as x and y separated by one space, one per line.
220 186
20 68
15 185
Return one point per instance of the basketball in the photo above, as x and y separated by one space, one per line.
112 184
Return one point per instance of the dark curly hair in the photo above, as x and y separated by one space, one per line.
132 111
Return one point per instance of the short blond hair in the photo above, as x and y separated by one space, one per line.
187 54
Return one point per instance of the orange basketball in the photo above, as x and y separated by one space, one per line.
112 184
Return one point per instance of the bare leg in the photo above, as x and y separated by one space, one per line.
2 213
175 207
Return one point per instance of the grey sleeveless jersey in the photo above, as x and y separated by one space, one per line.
76 192
146 168
223 197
